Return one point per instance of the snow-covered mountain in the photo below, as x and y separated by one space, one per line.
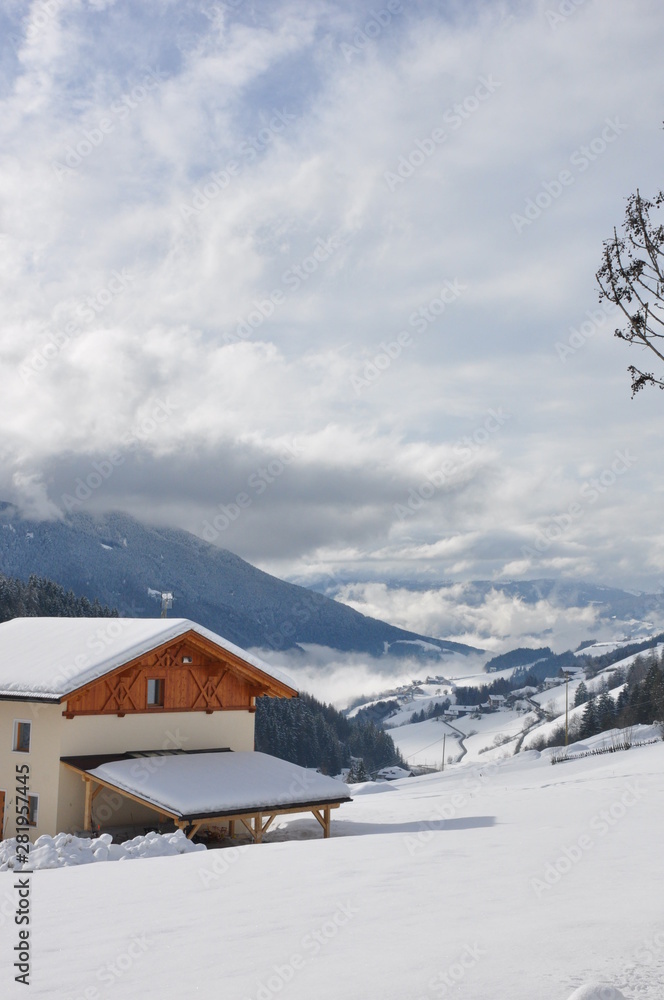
127 565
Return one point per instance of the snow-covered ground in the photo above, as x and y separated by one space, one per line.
501 881
494 735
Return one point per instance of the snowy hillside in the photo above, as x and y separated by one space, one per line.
512 880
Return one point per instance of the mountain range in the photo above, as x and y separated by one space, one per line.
127 565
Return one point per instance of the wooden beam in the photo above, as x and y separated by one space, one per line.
87 809
268 823
125 794
252 822
194 829
247 825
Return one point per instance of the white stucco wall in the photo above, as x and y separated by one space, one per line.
156 731
43 761
61 792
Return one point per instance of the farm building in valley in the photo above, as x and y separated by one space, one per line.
126 721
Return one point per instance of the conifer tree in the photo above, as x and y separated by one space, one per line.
581 696
589 720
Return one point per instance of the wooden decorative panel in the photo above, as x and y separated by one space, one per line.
212 681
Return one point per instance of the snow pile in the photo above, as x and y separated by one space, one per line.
65 850
597 991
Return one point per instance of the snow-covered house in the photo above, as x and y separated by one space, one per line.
112 721
458 711
496 701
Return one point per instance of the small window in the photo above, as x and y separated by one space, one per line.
33 809
156 691
22 732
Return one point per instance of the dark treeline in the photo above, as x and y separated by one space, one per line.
40 598
479 695
307 732
517 658
434 711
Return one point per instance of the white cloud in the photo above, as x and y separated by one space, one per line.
118 291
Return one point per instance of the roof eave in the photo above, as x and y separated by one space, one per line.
31 696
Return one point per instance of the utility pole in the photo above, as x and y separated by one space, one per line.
444 737
566 706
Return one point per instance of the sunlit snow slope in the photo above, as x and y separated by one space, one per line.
502 881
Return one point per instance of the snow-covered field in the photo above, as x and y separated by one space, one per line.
421 743
493 735
510 880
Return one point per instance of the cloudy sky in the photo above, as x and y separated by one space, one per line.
317 283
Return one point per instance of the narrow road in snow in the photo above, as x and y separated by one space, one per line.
461 741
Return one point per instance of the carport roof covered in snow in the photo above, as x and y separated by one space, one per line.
196 788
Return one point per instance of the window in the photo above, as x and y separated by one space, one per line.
22 731
156 691
33 809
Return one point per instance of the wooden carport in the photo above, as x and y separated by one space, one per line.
256 817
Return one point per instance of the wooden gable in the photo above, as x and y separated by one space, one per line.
192 674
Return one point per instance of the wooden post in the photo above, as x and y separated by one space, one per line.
258 827
87 811
231 828
326 825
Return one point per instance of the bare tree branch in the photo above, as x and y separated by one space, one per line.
631 276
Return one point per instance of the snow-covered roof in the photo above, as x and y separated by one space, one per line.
51 657
194 785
